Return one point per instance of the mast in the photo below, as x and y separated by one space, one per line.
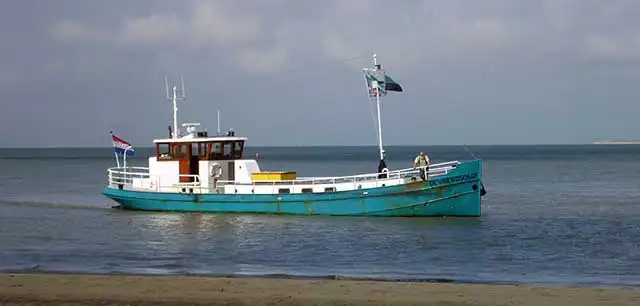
375 82
376 68
378 84
174 99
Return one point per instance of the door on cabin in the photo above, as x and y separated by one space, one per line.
231 173
184 161
194 164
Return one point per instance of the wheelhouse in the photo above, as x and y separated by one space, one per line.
190 151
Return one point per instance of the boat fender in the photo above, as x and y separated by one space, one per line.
215 170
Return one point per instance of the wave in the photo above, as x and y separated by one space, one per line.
54 205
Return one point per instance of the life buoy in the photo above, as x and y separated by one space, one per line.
384 173
215 170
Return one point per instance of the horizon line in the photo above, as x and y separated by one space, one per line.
333 146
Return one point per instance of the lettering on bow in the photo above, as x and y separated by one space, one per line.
453 179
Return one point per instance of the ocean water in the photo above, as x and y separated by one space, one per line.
553 215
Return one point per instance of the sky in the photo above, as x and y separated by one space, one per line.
289 72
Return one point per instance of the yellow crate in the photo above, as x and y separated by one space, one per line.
273 176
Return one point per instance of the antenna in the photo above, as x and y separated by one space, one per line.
218 122
184 91
174 98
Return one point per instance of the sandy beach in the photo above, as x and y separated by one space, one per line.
55 289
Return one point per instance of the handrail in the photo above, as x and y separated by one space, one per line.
125 176
432 168
391 174
147 181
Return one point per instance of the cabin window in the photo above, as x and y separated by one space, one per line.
330 189
284 190
237 149
202 150
217 148
179 150
224 150
174 151
216 151
307 190
227 149
162 151
195 149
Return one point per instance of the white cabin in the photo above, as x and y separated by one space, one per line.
189 159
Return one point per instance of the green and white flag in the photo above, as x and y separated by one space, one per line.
377 87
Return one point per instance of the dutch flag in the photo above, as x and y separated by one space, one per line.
120 146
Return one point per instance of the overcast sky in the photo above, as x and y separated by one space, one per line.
288 72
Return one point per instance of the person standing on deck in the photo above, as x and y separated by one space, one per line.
422 162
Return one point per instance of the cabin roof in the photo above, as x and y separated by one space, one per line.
200 139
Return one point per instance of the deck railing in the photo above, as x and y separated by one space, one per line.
120 176
126 177
434 170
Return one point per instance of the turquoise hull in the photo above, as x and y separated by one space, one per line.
457 193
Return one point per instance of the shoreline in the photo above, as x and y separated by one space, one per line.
322 277
88 289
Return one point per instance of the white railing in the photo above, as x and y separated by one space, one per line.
140 178
129 176
434 171
122 175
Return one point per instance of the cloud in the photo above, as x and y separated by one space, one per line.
337 31
157 29
207 25
622 47
462 56
487 34
263 60
402 34
222 25
68 30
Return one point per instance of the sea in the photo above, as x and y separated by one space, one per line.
565 215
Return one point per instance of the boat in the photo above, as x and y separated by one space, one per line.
193 171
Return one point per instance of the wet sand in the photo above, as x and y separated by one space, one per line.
56 289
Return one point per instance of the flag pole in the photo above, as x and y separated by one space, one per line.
114 151
380 146
376 79
124 158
